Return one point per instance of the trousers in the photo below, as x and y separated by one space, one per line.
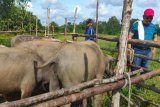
140 61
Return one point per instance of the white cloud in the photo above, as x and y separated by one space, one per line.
146 3
87 9
113 2
29 6
103 10
48 3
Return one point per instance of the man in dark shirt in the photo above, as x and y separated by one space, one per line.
143 30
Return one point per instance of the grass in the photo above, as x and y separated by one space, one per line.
5 39
146 94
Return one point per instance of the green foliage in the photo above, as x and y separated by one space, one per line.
81 27
102 27
70 27
54 27
113 26
5 39
14 16
5 8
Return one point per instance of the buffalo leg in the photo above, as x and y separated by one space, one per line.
26 89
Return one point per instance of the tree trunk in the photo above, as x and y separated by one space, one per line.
122 56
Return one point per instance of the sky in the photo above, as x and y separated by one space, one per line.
61 9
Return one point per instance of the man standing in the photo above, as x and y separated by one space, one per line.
143 30
89 29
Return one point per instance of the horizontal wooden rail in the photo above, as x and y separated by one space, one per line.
116 39
139 67
149 87
81 95
58 93
136 55
96 90
146 102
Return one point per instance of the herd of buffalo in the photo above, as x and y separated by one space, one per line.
27 65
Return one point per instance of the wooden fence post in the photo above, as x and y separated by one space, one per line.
122 56
97 19
74 23
65 30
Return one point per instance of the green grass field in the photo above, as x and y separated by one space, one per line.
146 94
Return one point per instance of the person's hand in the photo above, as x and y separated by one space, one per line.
130 55
153 52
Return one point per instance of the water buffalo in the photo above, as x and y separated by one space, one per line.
23 38
78 62
72 62
44 48
18 72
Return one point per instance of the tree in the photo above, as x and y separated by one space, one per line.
133 21
54 26
101 27
7 5
80 28
158 29
113 26
69 27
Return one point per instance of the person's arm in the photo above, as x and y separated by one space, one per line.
129 50
154 49
129 38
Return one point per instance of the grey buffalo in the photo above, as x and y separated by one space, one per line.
23 38
45 49
72 62
78 62
18 72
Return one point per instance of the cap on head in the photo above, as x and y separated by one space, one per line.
149 12
89 21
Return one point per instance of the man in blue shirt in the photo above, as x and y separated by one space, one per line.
143 30
89 29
